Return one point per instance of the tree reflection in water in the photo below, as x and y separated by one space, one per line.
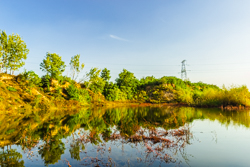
51 151
155 144
105 136
10 157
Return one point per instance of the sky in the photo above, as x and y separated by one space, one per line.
145 37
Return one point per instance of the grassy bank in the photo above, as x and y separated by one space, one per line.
17 92
32 93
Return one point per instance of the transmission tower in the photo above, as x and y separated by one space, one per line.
183 70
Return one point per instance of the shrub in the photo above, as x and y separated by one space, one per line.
185 96
237 96
46 82
36 101
28 91
113 93
32 77
142 96
11 89
80 95
63 79
58 93
10 131
210 97
214 97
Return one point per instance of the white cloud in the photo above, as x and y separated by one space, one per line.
118 38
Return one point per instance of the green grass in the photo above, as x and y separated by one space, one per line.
11 89
9 131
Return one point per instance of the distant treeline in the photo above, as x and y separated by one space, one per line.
126 87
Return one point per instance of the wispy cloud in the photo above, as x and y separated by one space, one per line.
118 38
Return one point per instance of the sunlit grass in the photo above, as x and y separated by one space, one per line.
234 96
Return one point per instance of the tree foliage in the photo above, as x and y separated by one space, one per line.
105 74
95 83
112 92
32 78
53 65
80 95
4 50
75 66
128 83
13 52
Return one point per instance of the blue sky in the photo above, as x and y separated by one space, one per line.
144 37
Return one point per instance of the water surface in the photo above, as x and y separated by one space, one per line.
138 136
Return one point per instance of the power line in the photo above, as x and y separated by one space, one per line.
221 63
183 70
149 64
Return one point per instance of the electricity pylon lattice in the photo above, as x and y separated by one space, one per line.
183 70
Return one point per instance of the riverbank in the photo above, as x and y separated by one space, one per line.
16 92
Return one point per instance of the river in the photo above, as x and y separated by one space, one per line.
126 136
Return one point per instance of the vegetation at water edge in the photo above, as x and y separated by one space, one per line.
53 90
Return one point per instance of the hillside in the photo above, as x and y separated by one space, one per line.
30 93
16 93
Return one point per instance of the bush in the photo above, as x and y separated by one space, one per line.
63 79
214 97
210 98
58 93
174 81
32 77
11 89
80 95
46 82
237 96
36 101
113 93
148 81
185 96
96 86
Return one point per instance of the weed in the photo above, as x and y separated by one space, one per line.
17 100
28 91
32 78
36 101
9 131
11 89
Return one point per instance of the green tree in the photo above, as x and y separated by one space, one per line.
112 92
1 58
128 83
95 83
80 95
13 52
53 65
75 66
105 74
3 50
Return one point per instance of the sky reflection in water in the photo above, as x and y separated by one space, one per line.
146 136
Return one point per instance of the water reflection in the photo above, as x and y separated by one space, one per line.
51 151
100 136
10 157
